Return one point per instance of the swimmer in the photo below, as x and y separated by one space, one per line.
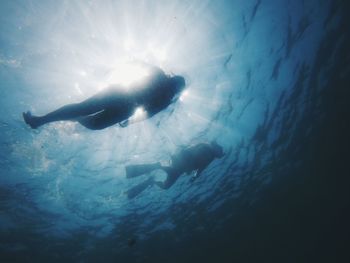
117 104
192 159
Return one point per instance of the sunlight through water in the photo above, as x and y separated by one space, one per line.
252 71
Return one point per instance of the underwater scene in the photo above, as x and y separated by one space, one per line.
174 131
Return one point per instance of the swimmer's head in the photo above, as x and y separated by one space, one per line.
217 149
178 83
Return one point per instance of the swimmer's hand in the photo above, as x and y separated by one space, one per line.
193 177
196 175
124 124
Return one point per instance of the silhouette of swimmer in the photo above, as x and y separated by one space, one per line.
195 158
117 104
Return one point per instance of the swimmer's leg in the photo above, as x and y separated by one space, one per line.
173 175
140 169
138 189
73 111
68 112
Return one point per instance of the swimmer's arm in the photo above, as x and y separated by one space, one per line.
132 120
124 124
136 117
147 113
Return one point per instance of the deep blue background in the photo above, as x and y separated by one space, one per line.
268 79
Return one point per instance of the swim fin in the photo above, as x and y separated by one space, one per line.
138 189
140 169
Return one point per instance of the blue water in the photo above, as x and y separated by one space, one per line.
267 79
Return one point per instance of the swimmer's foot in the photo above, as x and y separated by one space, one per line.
138 189
32 121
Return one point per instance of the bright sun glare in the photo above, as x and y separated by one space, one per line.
139 114
127 73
